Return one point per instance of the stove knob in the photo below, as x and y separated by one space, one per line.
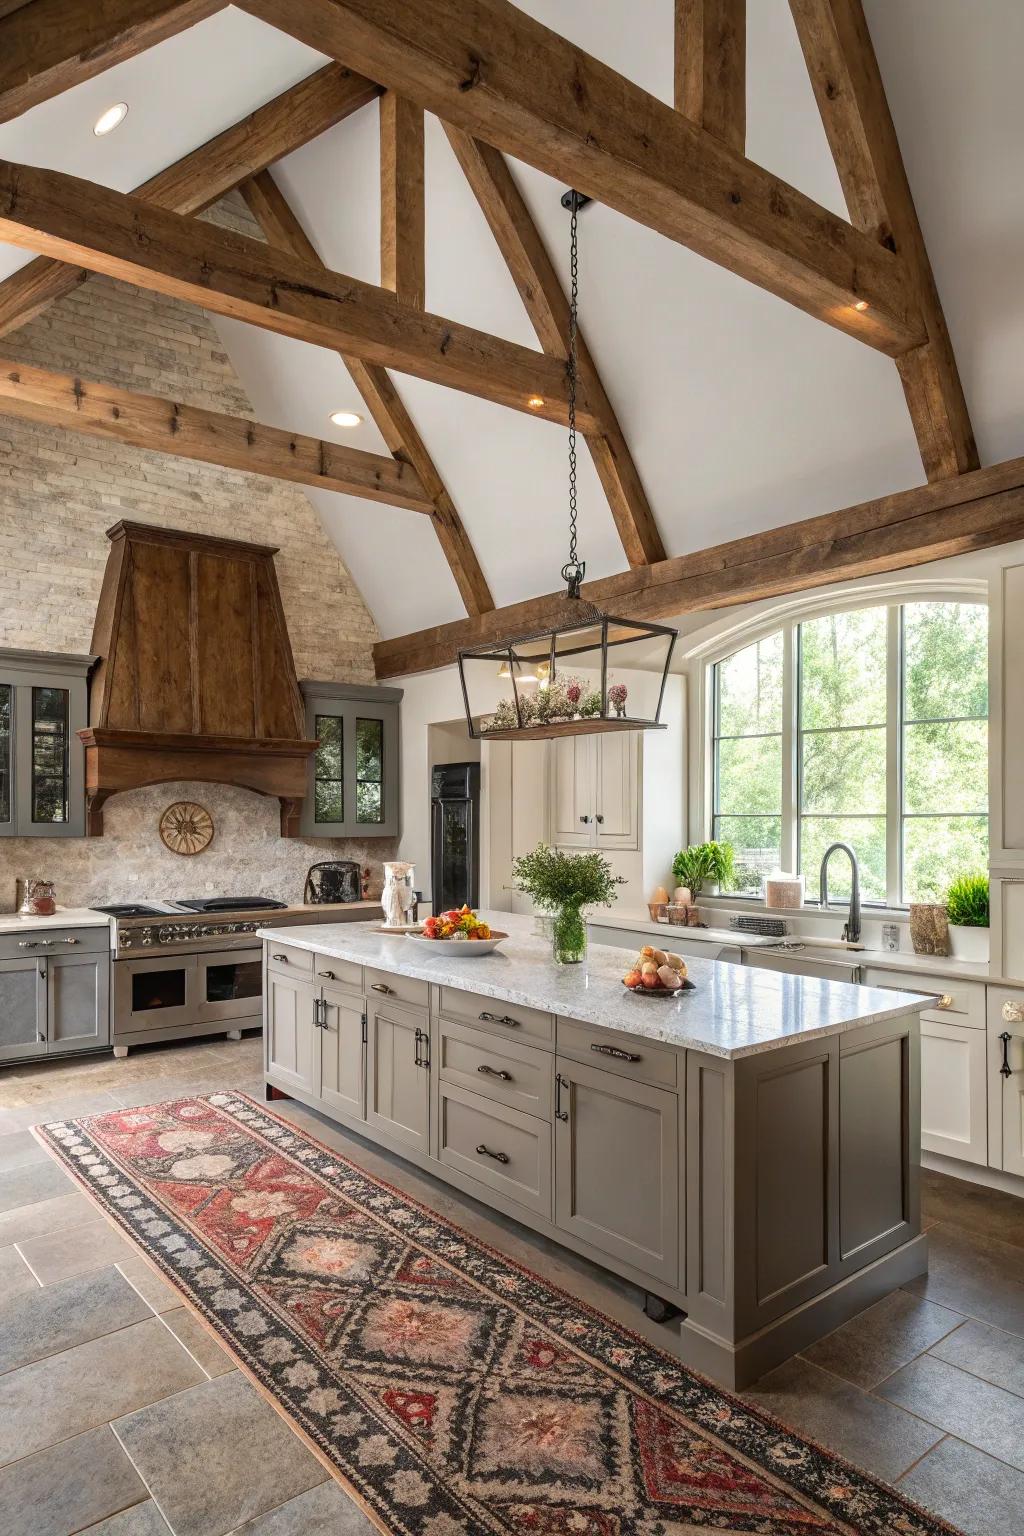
125 941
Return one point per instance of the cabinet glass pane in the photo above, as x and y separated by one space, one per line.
158 989
369 770
329 789
50 708
6 707
238 979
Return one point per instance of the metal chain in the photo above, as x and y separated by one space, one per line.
574 569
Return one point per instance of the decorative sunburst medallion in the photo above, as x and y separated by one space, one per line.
186 827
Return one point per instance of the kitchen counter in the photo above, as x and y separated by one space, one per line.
733 1011
64 917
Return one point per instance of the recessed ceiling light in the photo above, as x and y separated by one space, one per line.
345 418
861 305
112 118
535 402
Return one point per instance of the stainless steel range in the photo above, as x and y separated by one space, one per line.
186 967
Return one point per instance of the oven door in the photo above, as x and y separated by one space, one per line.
229 985
155 993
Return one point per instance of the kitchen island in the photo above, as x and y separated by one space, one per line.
747 1153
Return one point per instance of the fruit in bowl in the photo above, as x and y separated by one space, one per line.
461 923
656 970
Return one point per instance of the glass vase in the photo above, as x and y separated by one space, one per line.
569 936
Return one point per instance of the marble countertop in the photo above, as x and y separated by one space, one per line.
734 1010
64 917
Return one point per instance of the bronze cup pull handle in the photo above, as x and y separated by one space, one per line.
381 986
499 1157
280 957
506 1077
327 975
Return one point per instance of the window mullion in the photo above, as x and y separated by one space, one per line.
893 758
790 741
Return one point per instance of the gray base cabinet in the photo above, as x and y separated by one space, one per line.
768 1198
617 1168
54 992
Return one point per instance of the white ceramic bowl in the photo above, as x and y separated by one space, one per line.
459 949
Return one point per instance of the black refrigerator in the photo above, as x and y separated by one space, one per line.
454 835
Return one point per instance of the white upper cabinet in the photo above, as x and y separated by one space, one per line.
595 790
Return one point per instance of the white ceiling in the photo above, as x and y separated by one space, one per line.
742 413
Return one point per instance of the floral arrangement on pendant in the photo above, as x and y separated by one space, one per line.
565 699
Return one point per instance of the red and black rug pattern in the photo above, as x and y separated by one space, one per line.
453 1391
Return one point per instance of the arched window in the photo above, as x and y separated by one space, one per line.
867 726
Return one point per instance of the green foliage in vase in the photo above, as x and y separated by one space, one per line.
590 704
704 864
967 901
555 879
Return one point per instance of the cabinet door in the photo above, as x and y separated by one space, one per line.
22 1008
573 791
625 1205
1012 1095
292 1038
954 1118
78 1001
617 818
342 1053
398 1074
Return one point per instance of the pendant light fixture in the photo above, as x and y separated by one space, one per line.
596 672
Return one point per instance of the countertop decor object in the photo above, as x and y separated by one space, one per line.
784 891
186 828
543 697
703 864
564 884
38 899
967 909
929 928
397 898
460 949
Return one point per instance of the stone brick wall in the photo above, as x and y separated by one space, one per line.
59 492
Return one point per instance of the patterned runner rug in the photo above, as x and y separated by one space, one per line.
451 1390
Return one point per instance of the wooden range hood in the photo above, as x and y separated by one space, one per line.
195 678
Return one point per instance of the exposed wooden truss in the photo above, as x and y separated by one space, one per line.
711 67
491 70
50 45
189 432
402 215
207 174
226 273
283 230
520 242
930 522
851 98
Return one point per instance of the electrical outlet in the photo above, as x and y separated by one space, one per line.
891 936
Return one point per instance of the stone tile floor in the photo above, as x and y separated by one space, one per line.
120 1415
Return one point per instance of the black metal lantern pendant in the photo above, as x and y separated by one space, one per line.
590 672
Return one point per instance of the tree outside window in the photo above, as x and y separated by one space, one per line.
867 726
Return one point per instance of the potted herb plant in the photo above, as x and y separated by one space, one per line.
704 864
967 910
564 884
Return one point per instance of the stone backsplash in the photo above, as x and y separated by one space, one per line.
129 862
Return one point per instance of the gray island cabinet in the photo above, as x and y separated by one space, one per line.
747 1153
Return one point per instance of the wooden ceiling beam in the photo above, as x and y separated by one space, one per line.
201 178
948 517
126 238
493 71
711 67
851 98
402 215
48 46
189 432
282 229
540 289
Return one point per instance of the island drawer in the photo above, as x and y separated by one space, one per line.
946 995
340 973
629 1055
38 942
496 1017
508 1151
503 1069
289 959
404 989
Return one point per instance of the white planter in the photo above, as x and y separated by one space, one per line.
968 943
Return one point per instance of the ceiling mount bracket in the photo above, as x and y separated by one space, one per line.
571 196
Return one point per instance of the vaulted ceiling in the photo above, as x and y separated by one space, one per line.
742 412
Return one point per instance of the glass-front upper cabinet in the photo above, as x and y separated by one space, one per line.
354 773
43 706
